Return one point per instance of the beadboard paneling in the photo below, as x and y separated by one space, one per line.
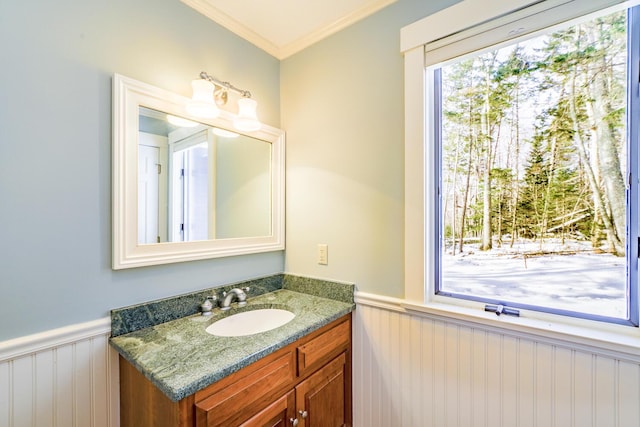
62 378
408 371
411 370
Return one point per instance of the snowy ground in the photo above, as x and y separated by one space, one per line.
584 281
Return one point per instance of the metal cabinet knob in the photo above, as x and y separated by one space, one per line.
303 414
294 421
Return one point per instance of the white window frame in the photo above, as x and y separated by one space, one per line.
459 26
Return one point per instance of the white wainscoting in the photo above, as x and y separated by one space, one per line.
66 377
408 370
416 371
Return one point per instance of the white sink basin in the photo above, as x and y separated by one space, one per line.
250 322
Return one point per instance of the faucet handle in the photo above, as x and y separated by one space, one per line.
242 296
207 305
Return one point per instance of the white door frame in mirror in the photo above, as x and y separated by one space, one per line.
128 96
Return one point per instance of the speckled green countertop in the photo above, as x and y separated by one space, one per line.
180 358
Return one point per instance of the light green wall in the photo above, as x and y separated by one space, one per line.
243 187
56 63
342 108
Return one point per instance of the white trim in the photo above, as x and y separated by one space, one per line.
572 337
41 341
128 96
205 8
414 166
315 36
283 51
481 21
618 346
456 18
379 301
529 22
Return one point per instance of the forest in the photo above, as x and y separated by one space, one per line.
533 145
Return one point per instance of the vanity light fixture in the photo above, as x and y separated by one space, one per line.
210 93
247 119
202 104
181 122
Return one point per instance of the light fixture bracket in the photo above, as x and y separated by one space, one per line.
225 85
209 93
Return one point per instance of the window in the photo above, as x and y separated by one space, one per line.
529 147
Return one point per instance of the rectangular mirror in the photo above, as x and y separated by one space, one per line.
187 189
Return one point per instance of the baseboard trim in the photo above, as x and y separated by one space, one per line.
46 340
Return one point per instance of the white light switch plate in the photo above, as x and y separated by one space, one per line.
323 254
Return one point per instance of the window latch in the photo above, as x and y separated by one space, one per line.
501 309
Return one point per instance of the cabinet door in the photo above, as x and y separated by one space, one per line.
240 395
280 413
320 399
319 350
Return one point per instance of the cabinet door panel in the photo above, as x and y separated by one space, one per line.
278 414
250 390
322 396
323 348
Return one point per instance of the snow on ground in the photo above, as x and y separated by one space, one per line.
579 280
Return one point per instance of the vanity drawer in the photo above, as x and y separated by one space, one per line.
232 400
324 347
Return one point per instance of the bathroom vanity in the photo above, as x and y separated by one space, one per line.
299 374
174 371
307 383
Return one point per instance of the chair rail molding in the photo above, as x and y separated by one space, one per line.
62 377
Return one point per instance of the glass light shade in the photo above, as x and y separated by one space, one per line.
179 121
225 133
247 120
202 104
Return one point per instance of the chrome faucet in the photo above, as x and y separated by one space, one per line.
228 298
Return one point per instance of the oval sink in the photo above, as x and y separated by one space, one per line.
250 322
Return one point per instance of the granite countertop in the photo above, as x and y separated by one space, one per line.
180 358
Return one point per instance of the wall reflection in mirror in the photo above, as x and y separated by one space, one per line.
197 182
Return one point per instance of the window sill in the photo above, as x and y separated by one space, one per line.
619 342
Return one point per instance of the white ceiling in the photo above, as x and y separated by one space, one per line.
284 27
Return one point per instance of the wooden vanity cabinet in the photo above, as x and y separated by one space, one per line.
305 384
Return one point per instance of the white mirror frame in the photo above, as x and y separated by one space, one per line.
128 96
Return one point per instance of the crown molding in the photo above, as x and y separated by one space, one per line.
283 51
332 28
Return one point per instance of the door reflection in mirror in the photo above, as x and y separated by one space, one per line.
196 182
189 195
